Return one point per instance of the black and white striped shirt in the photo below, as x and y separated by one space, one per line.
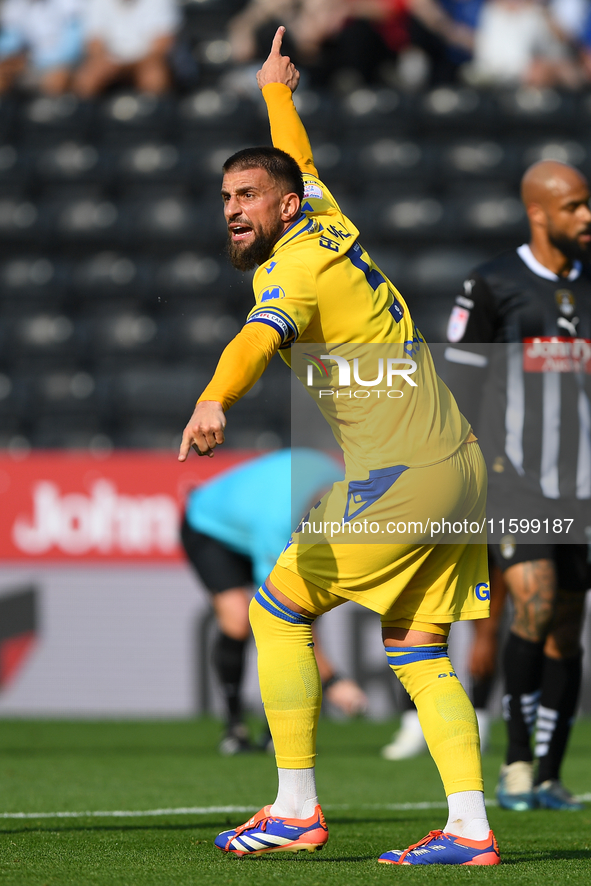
519 364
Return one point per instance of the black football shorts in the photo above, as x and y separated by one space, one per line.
219 568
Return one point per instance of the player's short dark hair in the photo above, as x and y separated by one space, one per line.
281 167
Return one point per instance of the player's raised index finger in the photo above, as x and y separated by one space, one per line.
277 41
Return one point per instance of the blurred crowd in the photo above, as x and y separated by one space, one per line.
89 46
408 42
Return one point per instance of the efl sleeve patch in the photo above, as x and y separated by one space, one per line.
312 190
457 323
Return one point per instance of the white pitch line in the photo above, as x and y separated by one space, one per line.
131 813
207 810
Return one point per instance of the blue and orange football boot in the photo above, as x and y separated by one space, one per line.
265 833
440 848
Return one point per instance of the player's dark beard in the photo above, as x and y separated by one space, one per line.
245 258
571 248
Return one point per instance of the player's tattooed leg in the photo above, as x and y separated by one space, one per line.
532 586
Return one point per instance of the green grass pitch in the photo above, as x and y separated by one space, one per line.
53 767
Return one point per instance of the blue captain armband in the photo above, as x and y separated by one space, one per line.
278 320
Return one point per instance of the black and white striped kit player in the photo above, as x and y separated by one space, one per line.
519 363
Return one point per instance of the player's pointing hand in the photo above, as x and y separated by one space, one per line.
278 68
204 431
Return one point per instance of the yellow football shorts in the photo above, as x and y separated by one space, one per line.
418 580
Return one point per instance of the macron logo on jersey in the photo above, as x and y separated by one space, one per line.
271 266
272 292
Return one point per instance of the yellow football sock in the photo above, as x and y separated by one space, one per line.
445 713
289 679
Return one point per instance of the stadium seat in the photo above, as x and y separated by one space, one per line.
14 169
125 333
529 107
450 107
410 217
130 113
372 110
76 431
186 279
85 219
192 280
491 215
200 335
215 110
441 270
387 158
581 115
8 116
110 275
15 400
42 338
32 282
69 392
21 221
247 434
268 404
475 159
167 219
331 158
69 162
152 405
236 288
430 313
61 116
14 435
158 433
148 161
435 278
263 418
149 391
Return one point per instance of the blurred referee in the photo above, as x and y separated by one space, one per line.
531 307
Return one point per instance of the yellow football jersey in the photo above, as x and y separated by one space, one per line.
320 286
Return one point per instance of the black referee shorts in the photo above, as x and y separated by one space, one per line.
219 568
571 561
